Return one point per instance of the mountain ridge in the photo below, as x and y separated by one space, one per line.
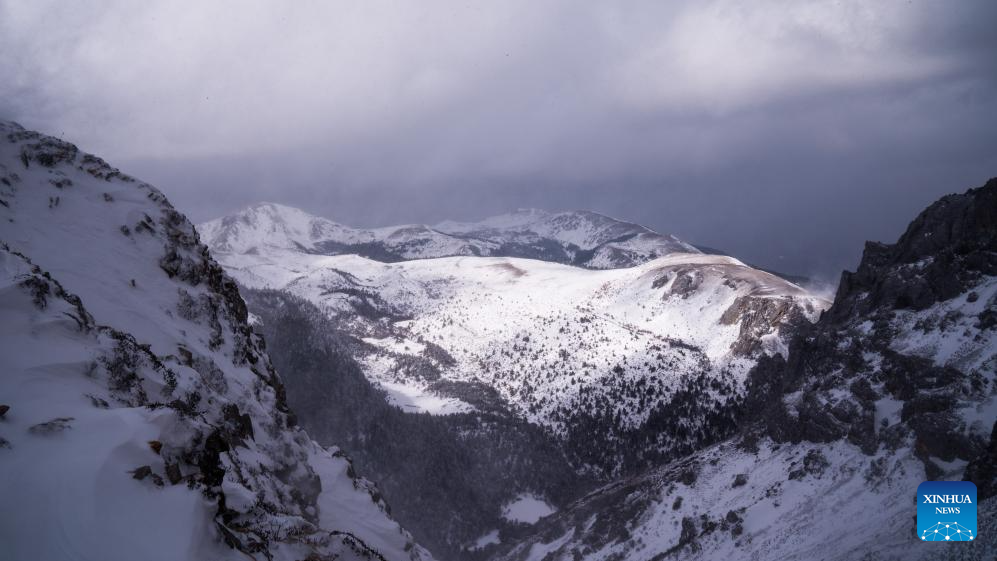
142 416
614 369
582 238
893 385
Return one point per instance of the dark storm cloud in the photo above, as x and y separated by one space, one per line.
783 132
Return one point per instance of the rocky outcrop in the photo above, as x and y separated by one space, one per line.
762 317
883 345
944 253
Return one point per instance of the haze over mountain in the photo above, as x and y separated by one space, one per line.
786 134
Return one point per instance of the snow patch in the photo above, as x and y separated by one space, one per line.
413 399
490 538
527 508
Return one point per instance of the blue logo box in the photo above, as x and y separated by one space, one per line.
946 511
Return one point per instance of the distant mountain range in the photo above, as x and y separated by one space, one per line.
581 238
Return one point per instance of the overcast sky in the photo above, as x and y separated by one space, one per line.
784 132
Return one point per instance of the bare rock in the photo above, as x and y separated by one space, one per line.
141 473
58 424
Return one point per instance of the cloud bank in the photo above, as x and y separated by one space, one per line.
784 132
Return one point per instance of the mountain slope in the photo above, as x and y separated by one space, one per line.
562 375
586 238
894 385
141 416
644 359
579 238
447 477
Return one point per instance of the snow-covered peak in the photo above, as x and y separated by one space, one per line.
580 238
582 228
142 417
269 225
517 219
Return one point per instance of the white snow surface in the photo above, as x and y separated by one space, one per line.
612 243
415 399
490 538
100 347
544 335
583 229
527 508
271 225
824 515
947 332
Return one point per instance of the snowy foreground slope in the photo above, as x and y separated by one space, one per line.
895 385
140 416
564 347
579 238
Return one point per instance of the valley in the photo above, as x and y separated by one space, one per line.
614 370
498 281
508 390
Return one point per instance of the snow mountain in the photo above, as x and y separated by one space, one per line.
579 238
542 378
894 385
140 416
616 355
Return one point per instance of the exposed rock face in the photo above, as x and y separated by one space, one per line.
909 332
758 318
945 252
